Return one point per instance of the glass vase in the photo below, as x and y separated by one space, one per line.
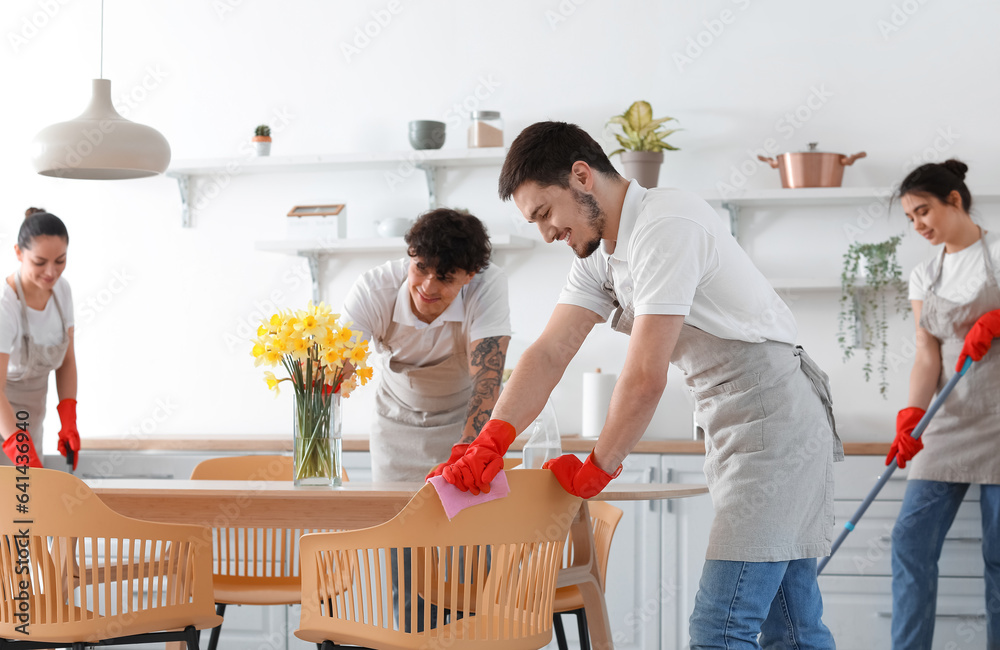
317 442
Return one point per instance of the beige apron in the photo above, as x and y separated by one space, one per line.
27 389
770 443
962 442
419 412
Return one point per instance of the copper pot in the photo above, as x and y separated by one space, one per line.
811 168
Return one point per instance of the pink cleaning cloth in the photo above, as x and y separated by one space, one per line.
455 501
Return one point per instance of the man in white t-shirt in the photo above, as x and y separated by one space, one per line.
441 320
681 287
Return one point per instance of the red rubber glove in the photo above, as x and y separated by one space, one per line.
980 338
457 451
69 437
905 446
21 449
584 479
483 460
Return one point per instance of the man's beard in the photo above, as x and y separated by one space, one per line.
596 218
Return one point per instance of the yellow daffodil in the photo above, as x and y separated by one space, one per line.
322 312
364 374
358 355
346 387
333 357
272 357
288 326
314 337
272 381
281 344
343 335
328 339
299 348
309 325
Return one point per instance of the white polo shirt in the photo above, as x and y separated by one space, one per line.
675 256
381 296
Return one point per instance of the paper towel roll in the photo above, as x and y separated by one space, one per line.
597 389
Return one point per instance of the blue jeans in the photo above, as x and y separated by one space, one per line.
928 510
780 601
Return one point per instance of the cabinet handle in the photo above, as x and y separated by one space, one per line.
669 478
977 617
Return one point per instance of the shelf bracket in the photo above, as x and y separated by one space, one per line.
317 289
184 185
734 218
431 172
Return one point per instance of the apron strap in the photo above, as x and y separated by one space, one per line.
990 275
937 273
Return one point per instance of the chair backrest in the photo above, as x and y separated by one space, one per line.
254 558
248 468
52 524
522 536
244 468
604 519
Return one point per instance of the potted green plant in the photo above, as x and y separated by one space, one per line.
262 140
642 142
870 280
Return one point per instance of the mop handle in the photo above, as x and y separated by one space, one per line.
917 432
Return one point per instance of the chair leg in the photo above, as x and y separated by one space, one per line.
191 637
560 632
213 639
581 623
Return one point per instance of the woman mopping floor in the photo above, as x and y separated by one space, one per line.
956 304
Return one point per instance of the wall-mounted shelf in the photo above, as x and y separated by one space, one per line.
429 161
313 250
808 196
785 197
811 284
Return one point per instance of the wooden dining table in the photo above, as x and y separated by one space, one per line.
355 504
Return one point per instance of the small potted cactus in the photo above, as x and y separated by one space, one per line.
262 140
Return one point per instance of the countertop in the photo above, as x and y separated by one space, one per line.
278 444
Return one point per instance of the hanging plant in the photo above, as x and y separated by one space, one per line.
871 278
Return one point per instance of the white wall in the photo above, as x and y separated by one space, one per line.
163 350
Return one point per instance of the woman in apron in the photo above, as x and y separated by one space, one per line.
36 337
956 298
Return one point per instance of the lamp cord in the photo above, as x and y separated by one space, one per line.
102 39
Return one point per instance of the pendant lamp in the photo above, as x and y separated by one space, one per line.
100 144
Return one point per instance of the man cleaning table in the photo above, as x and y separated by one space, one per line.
664 263
441 321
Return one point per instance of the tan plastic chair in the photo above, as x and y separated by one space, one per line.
141 582
253 566
569 600
524 533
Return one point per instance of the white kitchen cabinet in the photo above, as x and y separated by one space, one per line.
685 527
633 579
857 583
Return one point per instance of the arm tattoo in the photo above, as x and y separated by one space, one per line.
486 362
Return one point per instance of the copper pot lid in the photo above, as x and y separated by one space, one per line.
812 149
